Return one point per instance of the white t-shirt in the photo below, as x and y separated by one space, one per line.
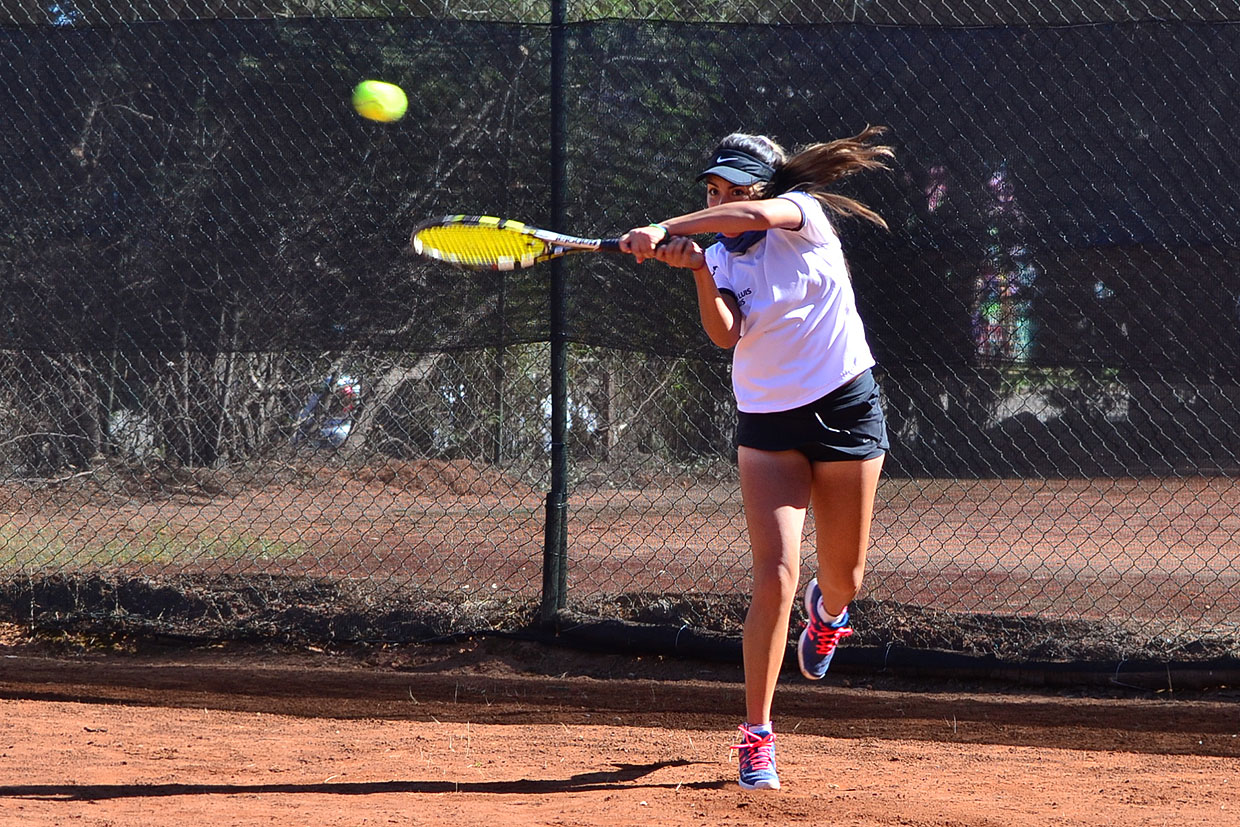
801 336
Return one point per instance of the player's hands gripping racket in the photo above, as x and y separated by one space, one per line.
483 242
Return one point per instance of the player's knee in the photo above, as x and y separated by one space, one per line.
777 587
842 584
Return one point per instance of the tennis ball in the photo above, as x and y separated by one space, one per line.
379 101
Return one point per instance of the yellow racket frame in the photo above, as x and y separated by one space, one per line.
485 242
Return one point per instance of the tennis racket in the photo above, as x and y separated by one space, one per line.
483 242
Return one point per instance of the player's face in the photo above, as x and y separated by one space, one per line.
719 191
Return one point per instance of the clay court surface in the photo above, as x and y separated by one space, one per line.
497 732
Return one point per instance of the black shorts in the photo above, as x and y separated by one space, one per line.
846 424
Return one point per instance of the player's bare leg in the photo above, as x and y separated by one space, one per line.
775 486
843 498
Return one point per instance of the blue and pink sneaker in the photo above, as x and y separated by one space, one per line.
756 752
818 641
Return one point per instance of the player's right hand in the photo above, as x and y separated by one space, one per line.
640 242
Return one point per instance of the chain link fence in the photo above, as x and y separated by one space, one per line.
234 405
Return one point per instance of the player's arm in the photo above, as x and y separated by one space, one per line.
731 218
721 318
738 217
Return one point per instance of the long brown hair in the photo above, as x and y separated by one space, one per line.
812 169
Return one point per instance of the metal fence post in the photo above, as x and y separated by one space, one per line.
555 539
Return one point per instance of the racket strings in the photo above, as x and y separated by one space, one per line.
477 246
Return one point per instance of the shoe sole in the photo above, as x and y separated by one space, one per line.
761 785
809 607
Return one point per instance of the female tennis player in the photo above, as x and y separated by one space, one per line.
810 427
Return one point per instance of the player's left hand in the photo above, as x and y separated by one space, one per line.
680 251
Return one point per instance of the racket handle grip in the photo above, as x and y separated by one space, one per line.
612 245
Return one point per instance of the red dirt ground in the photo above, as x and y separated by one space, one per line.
504 733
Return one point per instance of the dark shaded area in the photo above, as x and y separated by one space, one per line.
893 635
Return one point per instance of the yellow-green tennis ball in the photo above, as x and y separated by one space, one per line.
380 101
